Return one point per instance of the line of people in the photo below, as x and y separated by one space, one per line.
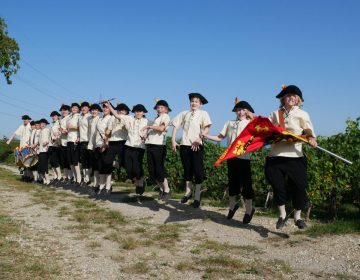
84 144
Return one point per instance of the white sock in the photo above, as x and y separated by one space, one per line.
96 178
188 188
73 172
232 201
248 206
297 215
58 172
165 186
282 211
47 178
35 175
102 181
197 191
108 181
86 175
140 182
78 173
66 172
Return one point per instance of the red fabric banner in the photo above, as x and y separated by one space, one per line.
259 132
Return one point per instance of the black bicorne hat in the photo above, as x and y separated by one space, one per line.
162 103
84 103
122 106
25 117
37 122
290 89
43 121
64 107
32 123
139 108
54 113
244 105
96 107
75 104
198 95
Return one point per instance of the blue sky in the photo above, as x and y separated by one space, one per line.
140 50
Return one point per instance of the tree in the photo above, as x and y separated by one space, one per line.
9 53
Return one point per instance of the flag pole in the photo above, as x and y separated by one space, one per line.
334 155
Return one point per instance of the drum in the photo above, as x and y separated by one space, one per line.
25 157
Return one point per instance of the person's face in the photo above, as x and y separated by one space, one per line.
25 122
55 118
33 127
290 99
195 103
85 109
122 112
64 112
161 109
240 113
42 125
106 110
74 109
139 114
37 126
94 112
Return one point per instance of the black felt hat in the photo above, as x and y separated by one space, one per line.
162 103
139 108
198 95
25 117
122 106
243 105
290 89
85 104
64 107
96 107
32 123
44 121
75 104
37 122
54 113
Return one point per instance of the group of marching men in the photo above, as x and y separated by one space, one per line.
85 142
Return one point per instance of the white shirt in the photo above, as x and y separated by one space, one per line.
44 138
296 121
192 122
118 130
54 134
232 129
92 132
73 134
23 132
101 127
63 137
84 127
156 137
133 127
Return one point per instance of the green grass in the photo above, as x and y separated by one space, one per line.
215 246
333 228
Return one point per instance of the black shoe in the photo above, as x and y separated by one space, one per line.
186 198
166 196
247 218
232 212
139 190
280 223
300 224
196 204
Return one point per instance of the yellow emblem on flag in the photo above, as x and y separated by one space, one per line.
239 149
261 129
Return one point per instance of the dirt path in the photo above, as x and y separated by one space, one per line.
150 239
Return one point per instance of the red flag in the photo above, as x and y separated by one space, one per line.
259 132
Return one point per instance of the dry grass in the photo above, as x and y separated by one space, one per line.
140 267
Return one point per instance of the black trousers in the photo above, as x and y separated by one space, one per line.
116 149
54 156
277 169
95 159
64 162
73 153
43 164
193 163
85 158
99 162
134 162
156 155
239 176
